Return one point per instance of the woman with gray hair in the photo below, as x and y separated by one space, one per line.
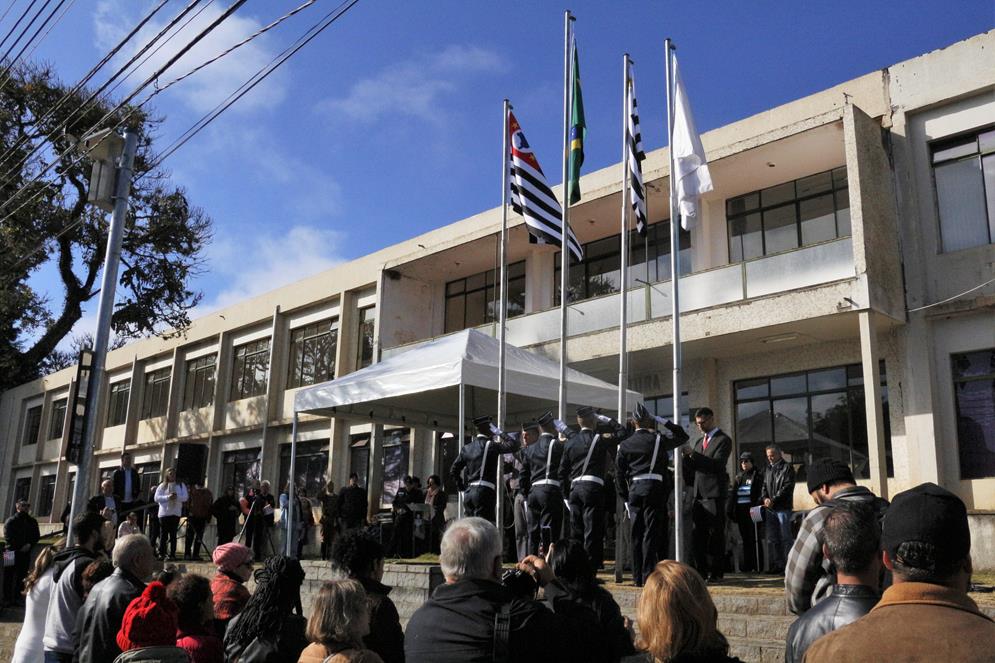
339 621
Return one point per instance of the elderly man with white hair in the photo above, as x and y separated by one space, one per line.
473 617
101 616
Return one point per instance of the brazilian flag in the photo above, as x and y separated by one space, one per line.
578 130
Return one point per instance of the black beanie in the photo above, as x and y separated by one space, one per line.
827 470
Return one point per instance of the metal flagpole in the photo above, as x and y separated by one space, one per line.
291 488
460 439
623 307
105 308
675 268
502 321
565 248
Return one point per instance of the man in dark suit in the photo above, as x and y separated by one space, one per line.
706 460
127 486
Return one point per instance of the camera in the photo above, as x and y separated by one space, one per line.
520 583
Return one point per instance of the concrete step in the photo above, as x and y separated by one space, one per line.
756 651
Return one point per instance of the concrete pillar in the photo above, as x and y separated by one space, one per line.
539 287
175 393
872 403
926 463
275 384
134 408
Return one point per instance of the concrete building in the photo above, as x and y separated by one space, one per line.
830 304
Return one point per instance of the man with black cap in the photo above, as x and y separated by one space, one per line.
475 469
541 477
583 469
644 483
808 576
706 462
926 614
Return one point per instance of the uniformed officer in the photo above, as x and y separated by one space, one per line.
475 468
644 483
518 487
545 496
583 468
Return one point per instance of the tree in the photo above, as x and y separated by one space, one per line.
164 234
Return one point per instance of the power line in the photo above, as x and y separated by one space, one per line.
24 15
36 43
950 299
10 5
25 31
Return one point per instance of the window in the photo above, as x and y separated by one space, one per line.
312 353
238 470
32 426
367 323
810 415
311 466
599 273
359 456
117 410
780 218
663 406
58 420
22 489
396 445
198 390
46 496
974 399
964 172
148 474
249 370
156 396
474 300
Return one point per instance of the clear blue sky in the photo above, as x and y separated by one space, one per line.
388 125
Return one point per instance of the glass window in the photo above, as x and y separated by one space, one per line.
663 406
156 398
32 426
359 456
117 408
22 489
312 353
148 477
311 465
964 174
780 218
250 369
198 390
395 461
46 496
815 414
238 470
57 423
474 300
367 325
974 399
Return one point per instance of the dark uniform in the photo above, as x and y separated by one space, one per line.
474 473
644 482
544 490
583 468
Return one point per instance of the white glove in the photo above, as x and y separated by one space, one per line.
560 426
566 503
628 511
603 418
661 420
494 429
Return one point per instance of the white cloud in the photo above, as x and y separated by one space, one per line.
249 264
205 89
414 87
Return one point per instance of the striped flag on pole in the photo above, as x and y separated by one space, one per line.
636 154
531 196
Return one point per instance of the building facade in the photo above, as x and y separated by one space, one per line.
830 303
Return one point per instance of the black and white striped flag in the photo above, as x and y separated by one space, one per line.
531 196
636 155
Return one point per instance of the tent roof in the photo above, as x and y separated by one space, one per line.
420 387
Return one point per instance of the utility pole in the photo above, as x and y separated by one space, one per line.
106 148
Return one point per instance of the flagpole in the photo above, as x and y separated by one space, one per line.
623 307
502 325
564 243
676 307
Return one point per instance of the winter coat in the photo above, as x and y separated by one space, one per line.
600 600
845 605
100 618
230 596
153 655
779 485
386 637
318 653
284 646
201 645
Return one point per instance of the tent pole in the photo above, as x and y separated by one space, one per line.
460 439
289 515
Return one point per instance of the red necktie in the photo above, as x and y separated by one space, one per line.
704 445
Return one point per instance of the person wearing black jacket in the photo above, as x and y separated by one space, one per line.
583 473
747 489
644 484
352 504
475 468
226 511
436 497
706 462
357 555
21 534
127 485
778 498
543 489
457 624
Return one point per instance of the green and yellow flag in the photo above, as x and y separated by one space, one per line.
578 130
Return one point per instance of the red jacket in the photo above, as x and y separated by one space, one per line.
230 596
201 645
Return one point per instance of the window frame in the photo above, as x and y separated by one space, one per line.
308 337
960 380
57 421
246 358
199 382
762 208
46 496
980 154
462 288
31 428
366 329
117 402
155 399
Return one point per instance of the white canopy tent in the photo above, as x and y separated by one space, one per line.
448 380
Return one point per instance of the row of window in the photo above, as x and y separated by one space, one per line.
312 360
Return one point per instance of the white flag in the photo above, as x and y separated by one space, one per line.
693 178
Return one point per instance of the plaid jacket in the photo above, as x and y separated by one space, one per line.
808 576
